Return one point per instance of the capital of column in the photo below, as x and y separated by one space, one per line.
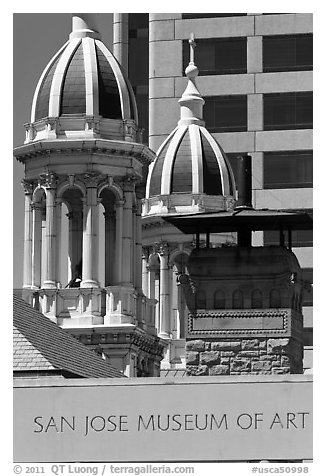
119 204
28 186
145 252
127 183
48 180
92 179
161 248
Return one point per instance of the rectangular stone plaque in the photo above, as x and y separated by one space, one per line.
155 420
241 323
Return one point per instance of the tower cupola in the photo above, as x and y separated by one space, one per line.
191 168
83 91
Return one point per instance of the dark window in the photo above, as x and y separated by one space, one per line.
219 300
300 238
256 299
201 300
226 113
287 53
288 111
237 299
211 15
288 169
218 55
274 298
308 336
233 161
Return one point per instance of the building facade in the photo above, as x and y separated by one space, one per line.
256 80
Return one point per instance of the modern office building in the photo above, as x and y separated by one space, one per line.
255 75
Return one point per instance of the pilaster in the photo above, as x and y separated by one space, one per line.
28 234
49 182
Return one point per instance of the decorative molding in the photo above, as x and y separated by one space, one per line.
244 323
28 186
162 248
92 179
48 180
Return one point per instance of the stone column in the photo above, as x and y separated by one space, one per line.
145 271
164 324
90 233
138 247
28 234
37 245
120 39
50 262
58 241
127 237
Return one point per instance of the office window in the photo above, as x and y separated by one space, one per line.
211 15
300 238
218 55
291 169
287 53
225 113
288 111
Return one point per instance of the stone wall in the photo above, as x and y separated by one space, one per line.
243 356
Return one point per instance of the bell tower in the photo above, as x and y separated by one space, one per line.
84 167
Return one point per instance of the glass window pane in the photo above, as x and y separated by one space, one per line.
291 169
288 111
226 113
218 55
287 53
300 238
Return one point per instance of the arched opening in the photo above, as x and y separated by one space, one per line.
237 299
107 245
219 299
275 298
256 299
200 299
179 314
72 199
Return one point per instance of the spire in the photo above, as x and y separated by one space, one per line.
191 101
83 24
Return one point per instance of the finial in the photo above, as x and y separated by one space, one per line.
192 70
192 44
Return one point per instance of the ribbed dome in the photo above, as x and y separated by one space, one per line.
190 161
84 79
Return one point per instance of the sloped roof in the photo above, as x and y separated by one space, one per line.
41 345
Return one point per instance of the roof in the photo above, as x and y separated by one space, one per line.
83 79
41 345
251 219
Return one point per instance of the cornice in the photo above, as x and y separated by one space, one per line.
89 146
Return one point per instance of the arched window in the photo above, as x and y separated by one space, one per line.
256 299
201 299
219 299
275 298
108 252
237 299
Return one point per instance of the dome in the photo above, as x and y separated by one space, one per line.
191 161
83 79
191 167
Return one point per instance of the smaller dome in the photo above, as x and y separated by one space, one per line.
190 162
